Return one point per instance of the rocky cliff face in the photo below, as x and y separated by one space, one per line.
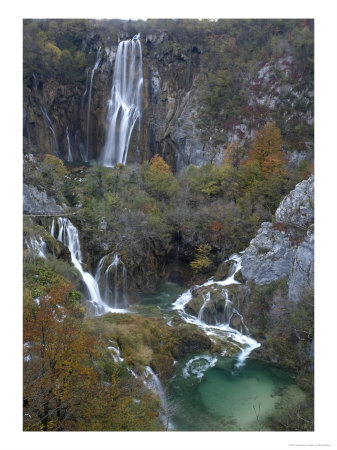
56 112
52 109
286 248
274 300
36 202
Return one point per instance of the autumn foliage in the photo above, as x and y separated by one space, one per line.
159 179
267 150
158 164
70 381
202 260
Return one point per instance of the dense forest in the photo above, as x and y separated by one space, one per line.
222 147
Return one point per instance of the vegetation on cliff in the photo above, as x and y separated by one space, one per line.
144 211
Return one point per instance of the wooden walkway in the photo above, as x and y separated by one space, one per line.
49 215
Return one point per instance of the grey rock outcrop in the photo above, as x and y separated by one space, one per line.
36 202
268 257
297 207
302 270
288 249
188 139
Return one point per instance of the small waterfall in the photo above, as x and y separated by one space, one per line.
52 228
206 298
154 384
68 234
45 115
124 105
117 296
38 247
69 156
224 329
98 60
79 144
115 353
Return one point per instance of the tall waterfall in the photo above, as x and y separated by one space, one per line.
124 105
98 60
68 234
224 329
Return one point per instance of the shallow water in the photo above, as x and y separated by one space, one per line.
219 398
164 295
208 392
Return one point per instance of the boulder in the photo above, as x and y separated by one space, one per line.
224 270
268 257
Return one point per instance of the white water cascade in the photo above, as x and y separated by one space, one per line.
124 105
45 115
68 234
154 384
52 228
98 60
117 295
69 156
38 247
224 329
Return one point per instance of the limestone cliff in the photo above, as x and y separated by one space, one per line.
285 248
177 63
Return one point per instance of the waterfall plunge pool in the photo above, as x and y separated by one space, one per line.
208 393
212 396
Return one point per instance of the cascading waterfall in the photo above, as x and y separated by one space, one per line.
124 105
69 156
154 384
206 298
223 329
52 228
37 246
98 60
45 115
68 234
117 296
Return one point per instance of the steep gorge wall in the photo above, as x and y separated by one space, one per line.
168 79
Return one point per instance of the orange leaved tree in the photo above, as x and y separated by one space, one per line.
159 179
58 372
267 150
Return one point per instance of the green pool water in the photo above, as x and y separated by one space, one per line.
207 394
164 295
224 400
159 302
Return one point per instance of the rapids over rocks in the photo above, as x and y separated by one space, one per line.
220 330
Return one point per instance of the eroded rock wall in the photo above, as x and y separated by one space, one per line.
285 248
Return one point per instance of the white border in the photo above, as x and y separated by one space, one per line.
324 13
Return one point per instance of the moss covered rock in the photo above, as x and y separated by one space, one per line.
220 304
57 248
150 341
223 271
